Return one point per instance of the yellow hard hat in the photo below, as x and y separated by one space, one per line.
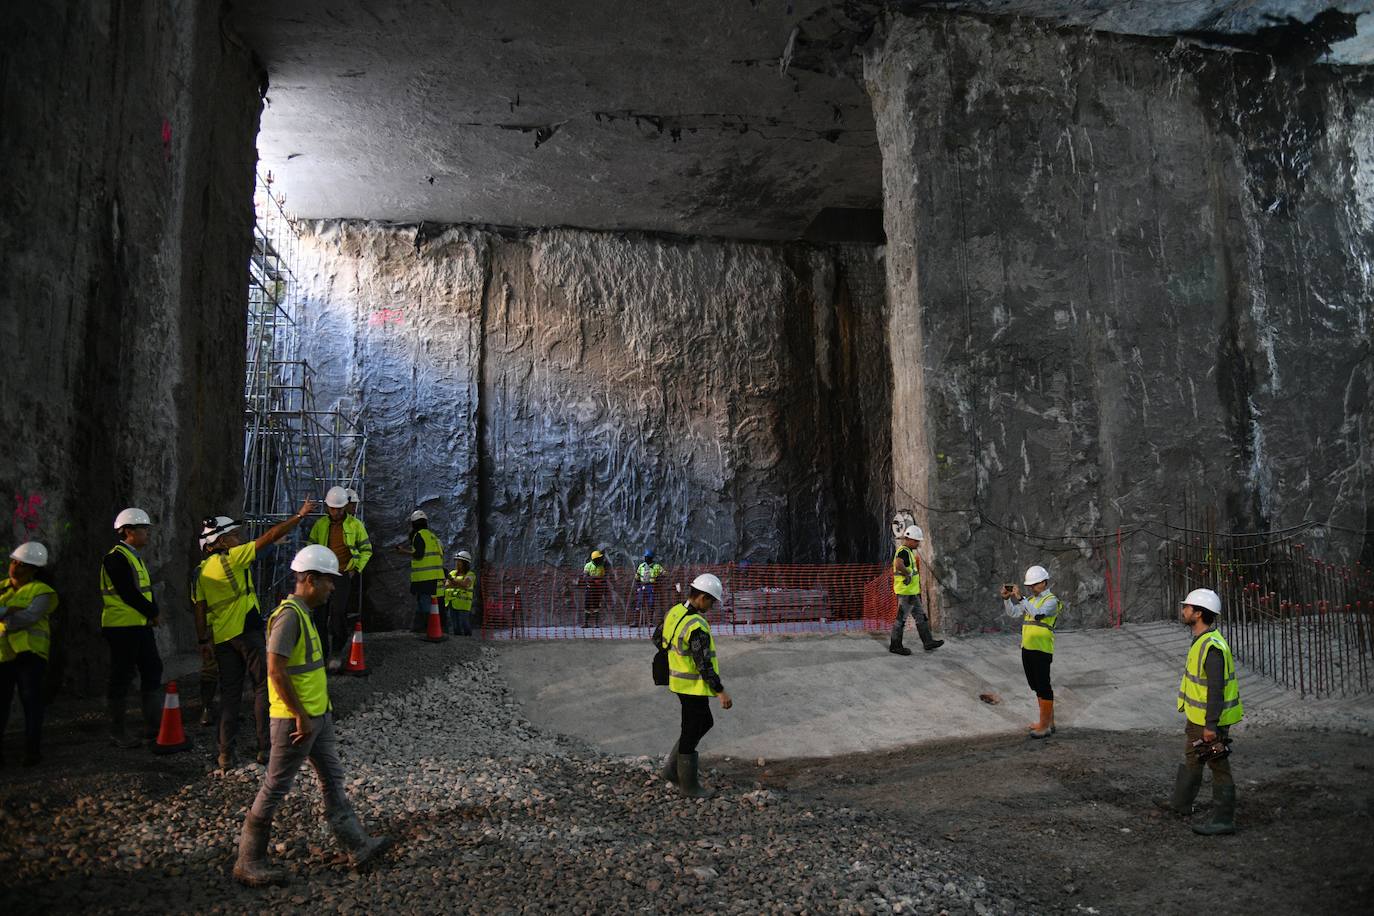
597 555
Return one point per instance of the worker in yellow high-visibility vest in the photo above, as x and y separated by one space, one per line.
1039 615
347 537
694 676
1209 698
426 569
594 582
302 725
458 588
906 584
27 602
128 616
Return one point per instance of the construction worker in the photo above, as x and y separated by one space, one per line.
230 625
458 593
127 617
906 584
426 567
346 536
1209 697
302 724
27 602
594 580
646 578
352 507
694 675
1039 614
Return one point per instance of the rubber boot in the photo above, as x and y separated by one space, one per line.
152 714
351 836
930 642
119 736
1187 781
687 781
896 648
251 868
669 771
1223 812
1045 727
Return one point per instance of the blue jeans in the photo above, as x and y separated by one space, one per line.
462 622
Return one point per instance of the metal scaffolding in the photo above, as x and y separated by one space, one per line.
291 449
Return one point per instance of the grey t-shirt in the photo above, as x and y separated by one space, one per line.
284 632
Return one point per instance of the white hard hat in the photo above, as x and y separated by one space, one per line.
1204 598
709 584
336 498
1036 574
316 558
215 527
32 553
352 495
914 532
419 516
132 516
464 555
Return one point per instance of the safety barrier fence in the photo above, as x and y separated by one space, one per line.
548 602
1306 623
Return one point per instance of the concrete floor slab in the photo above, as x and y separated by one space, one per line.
823 695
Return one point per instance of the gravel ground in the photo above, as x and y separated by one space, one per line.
489 814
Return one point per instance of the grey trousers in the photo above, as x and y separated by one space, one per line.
321 749
907 605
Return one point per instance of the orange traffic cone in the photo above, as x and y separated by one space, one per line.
171 737
435 628
356 665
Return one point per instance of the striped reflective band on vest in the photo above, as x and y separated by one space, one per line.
1194 687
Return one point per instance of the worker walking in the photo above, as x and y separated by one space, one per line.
906 584
229 622
426 567
347 538
694 676
1039 615
646 580
128 615
594 581
302 725
27 602
458 590
1209 698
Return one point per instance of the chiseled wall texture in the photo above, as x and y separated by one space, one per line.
124 238
1119 271
542 394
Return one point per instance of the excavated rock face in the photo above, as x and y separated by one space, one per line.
1117 271
125 229
545 395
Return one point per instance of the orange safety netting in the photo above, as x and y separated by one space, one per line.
550 602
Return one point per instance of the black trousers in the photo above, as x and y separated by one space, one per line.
696 722
244 656
24 672
332 618
1037 665
132 648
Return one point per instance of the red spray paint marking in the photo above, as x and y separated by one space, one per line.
386 316
167 139
26 510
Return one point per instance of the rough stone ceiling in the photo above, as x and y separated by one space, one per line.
620 114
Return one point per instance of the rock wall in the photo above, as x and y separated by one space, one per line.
125 230
1119 271
548 393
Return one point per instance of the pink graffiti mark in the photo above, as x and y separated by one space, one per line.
387 316
167 139
26 510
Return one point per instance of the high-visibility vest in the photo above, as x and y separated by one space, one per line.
35 638
594 571
899 584
114 612
355 539
305 666
431 566
648 573
224 581
459 590
1193 689
683 677
1039 634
